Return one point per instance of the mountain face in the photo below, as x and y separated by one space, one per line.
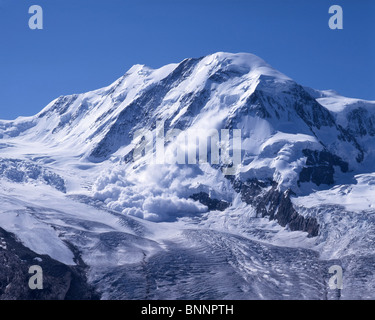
169 179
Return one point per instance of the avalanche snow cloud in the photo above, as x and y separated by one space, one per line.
300 201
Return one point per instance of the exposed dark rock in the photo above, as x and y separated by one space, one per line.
310 111
319 167
280 208
60 106
121 132
60 282
250 189
276 205
360 122
212 204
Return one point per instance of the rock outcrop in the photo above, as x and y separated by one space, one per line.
60 282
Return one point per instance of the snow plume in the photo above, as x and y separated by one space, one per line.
156 193
167 207
186 144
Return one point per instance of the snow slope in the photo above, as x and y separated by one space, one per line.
299 201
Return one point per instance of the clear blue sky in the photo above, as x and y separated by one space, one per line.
87 44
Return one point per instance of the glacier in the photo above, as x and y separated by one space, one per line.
301 200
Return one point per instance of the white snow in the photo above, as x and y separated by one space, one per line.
120 212
355 197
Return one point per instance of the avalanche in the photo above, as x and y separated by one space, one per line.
299 201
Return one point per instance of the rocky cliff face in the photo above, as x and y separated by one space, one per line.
319 168
60 282
212 204
275 205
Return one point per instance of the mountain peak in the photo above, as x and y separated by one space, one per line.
243 63
241 58
235 63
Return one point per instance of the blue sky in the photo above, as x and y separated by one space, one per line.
87 44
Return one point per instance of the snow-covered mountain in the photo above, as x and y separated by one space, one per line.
74 187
